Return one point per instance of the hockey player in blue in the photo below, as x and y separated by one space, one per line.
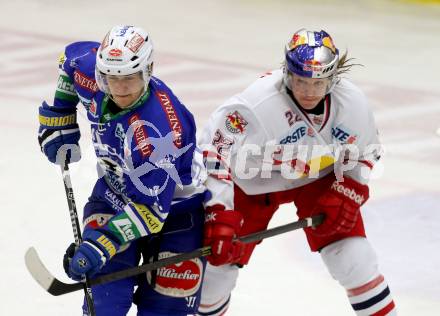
147 200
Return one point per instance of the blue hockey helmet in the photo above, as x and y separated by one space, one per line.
310 54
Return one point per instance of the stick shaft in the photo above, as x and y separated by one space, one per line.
76 232
206 251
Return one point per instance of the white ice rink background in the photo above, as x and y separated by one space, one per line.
206 51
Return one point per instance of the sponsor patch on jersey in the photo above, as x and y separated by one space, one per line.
109 167
222 143
343 135
65 89
173 120
97 220
298 132
178 280
65 85
141 136
153 223
126 229
135 42
235 123
85 82
114 201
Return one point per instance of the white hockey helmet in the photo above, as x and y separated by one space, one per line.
125 50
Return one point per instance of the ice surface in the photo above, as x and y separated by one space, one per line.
206 51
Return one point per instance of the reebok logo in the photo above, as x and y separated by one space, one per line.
350 193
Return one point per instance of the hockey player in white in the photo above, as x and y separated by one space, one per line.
305 135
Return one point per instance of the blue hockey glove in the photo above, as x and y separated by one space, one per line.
58 134
90 256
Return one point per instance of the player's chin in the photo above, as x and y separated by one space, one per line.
123 100
309 103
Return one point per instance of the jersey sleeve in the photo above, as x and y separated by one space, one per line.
65 95
358 133
225 133
76 60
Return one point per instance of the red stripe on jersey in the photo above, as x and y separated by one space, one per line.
367 163
384 311
327 112
216 166
366 287
223 306
221 176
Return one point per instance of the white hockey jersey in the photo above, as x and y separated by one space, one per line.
263 142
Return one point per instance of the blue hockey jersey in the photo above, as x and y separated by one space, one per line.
145 153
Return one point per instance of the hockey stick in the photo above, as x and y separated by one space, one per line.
57 287
76 231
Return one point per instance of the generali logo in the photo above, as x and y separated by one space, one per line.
141 136
84 81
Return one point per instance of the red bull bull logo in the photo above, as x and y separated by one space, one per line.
235 123
297 40
311 65
328 42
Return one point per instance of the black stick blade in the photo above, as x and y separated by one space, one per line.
47 281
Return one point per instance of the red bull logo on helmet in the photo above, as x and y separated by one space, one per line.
297 40
312 65
328 42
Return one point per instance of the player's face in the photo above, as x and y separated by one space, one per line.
309 91
125 89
